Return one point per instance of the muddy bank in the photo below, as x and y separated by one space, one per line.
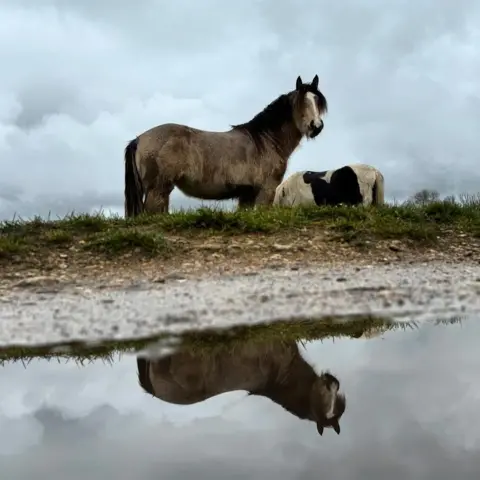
202 254
45 314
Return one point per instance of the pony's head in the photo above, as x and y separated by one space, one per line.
309 106
327 403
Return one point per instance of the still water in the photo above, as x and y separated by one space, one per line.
410 410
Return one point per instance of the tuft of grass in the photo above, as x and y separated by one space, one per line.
10 247
83 223
302 330
123 241
418 220
57 237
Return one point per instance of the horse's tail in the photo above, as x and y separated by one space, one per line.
143 375
133 183
378 194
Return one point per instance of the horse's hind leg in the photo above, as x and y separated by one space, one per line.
246 199
157 199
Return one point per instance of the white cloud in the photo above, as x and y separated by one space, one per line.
82 78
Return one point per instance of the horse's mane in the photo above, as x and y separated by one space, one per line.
291 390
269 121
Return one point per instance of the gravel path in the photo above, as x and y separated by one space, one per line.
42 315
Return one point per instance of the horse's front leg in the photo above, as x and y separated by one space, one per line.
266 194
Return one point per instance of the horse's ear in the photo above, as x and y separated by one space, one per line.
319 429
299 83
336 426
315 82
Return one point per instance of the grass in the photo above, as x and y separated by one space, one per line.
420 221
306 330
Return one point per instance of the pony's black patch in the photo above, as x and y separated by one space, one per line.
343 187
322 191
309 177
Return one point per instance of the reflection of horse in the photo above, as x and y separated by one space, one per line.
272 369
247 162
351 184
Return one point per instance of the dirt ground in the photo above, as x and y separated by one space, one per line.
200 255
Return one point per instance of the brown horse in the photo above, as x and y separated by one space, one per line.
247 162
271 369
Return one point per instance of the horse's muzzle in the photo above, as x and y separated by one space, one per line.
314 131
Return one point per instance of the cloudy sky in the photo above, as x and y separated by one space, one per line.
83 78
412 412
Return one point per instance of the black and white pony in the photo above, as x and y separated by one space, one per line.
350 185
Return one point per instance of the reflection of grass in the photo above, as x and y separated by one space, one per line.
303 331
420 222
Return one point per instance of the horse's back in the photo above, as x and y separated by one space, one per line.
155 137
209 141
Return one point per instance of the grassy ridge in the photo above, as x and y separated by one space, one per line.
306 330
417 220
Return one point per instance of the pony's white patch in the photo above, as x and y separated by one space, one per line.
312 99
366 176
333 393
293 191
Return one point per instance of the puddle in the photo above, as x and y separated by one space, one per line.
181 408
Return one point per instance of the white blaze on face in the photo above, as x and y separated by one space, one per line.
311 99
333 398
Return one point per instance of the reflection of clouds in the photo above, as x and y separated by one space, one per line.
19 434
401 82
411 414
431 372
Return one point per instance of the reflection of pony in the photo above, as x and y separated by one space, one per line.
272 369
352 185
246 162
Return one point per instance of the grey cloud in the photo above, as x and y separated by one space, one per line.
9 193
400 77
